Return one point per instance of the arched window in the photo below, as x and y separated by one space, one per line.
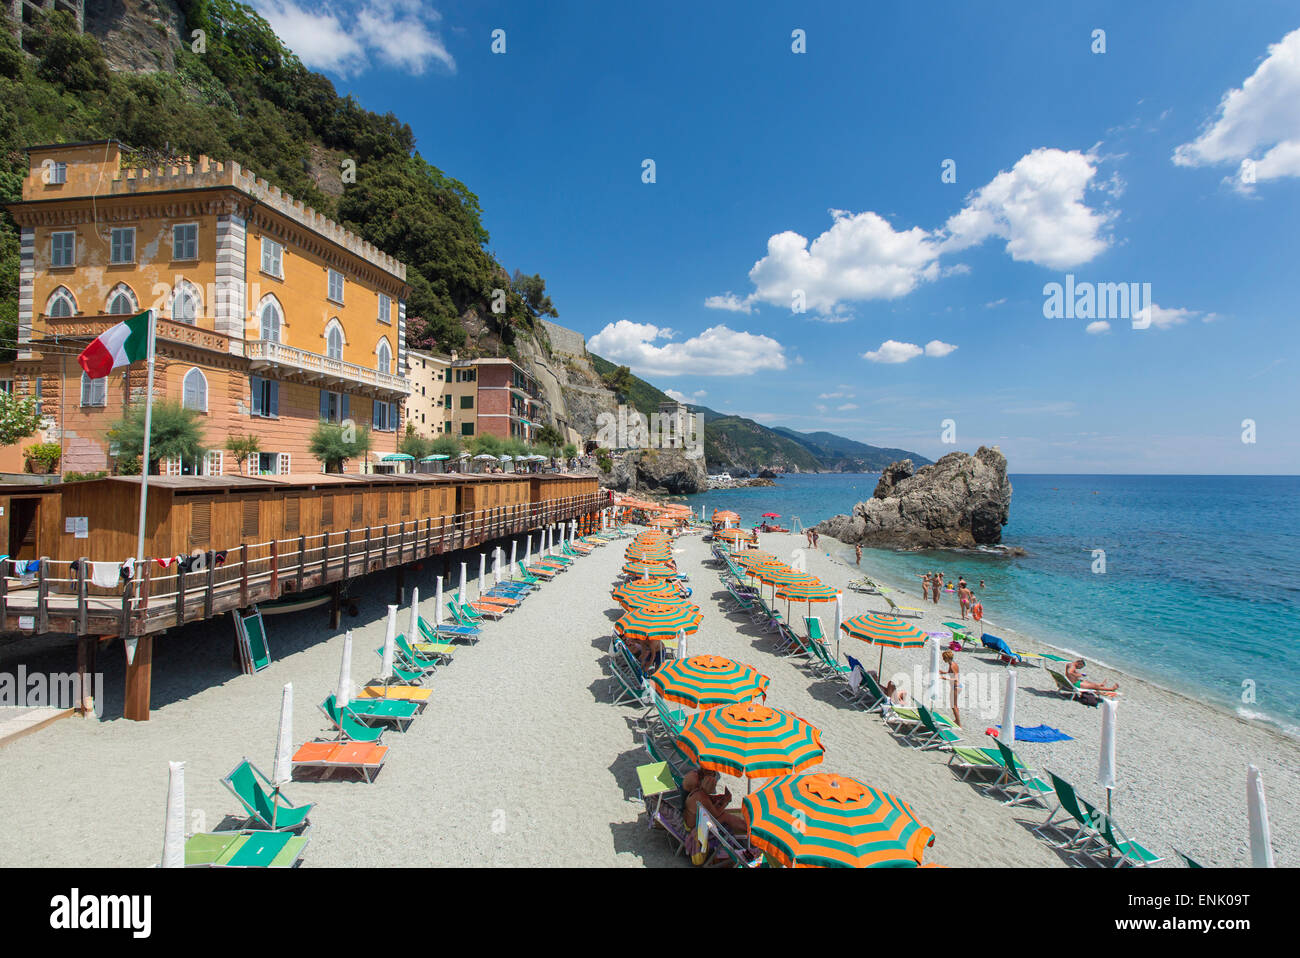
272 318
385 355
196 390
61 303
122 301
185 303
334 340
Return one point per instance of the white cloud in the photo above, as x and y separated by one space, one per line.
1162 318
682 397
846 407
1100 326
995 303
938 349
892 351
730 302
1038 207
1258 123
841 394
718 351
347 40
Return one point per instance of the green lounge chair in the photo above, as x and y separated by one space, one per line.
534 573
967 759
439 634
1017 783
1188 860
243 849
678 764
265 809
1079 835
1119 848
412 673
933 734
398 711
629 683
426 653
350 727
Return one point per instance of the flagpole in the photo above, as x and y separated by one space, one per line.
144 457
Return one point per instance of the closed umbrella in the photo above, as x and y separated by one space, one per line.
832 821
173 854
496 565
482 567
528 550
839 621
1106 769
390 645
934 694
282 768
437 603
1008 734
514 546
461 592
1261 840
343 694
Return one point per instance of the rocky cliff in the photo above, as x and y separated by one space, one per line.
959 501
664 471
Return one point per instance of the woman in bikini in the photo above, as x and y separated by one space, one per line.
953 674
698 787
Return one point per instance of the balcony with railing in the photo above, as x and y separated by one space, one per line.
324 372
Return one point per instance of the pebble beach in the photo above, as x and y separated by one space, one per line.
520 759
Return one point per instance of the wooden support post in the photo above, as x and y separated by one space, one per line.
86 646
347 554
180 595
366 569
243 575
336 604
4 601
302 560
401 584
275 569
81 596
139 681
211 584
42 597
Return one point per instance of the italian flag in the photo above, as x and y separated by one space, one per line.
120 345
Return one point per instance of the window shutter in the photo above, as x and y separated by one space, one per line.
292 511
255 391
275 398
406 503
249 527
284 464
383 504
200 522
426 502
324 405
358 508
347 407
326 512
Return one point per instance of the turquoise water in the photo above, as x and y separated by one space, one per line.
1199 594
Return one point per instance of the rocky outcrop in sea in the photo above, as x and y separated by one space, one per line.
961 501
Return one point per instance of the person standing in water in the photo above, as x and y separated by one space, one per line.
857 552
936 585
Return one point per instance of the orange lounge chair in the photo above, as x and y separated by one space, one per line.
406 693
363 757
498 600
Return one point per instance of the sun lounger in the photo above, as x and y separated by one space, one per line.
629 682
532 573
432 653
396 693
438 633
897 610
404 670
668 818
728 848
369 710
1018 784
967 759
473 613
350 726
933 734
1095 833
364 757
864 585
856 691
243 849
656 780
265 808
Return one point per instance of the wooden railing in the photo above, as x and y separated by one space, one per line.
59 598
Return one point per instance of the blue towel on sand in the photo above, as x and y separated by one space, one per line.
1041 733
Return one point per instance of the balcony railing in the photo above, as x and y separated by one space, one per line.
321 370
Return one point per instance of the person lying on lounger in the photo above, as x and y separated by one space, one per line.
698 786
1074 672
896 695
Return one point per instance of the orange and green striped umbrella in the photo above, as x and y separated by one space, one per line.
750 740
648 548
833 821
725 515
807 593
654 598
664 522
770 575
753 557
704 680
733 535
651 570
644 587
658 621
884 631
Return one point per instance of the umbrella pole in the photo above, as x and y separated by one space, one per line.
880 666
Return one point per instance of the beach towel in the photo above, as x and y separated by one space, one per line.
1040 733
127 569
105 574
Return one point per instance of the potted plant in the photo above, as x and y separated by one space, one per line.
43 457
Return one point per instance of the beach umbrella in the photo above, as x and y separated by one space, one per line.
496 566
663 597
664 522
282 767
824 820
343 694
681 645
839 621
648 554
644 587
934 694
413 624
437 604
658 621
771 515
1008 733
704 680
1261 840
173 854
1107 777
482 567
886 631
514 545
807 593
648 570
390 646
750 740
461 592
528 550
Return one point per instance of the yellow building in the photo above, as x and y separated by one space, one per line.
270 316
428 405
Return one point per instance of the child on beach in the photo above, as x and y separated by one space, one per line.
953 674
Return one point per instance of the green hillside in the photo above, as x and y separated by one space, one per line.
837 452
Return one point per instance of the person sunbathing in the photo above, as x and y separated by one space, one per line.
1074 672
698 787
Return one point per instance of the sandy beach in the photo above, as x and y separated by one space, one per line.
521 760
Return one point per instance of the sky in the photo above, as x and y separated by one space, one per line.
864 218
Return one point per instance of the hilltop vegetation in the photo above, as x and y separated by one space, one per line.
247 98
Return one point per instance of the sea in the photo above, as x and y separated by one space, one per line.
1189 582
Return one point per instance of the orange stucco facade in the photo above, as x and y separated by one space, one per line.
287 317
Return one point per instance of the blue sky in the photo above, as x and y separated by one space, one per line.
1172 158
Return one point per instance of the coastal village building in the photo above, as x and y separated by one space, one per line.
270 316
473 397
